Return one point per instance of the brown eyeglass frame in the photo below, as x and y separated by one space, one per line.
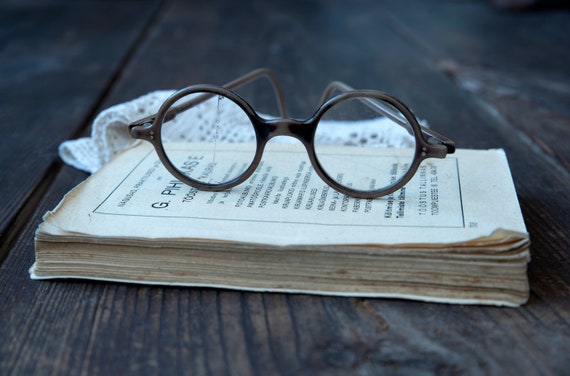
429 144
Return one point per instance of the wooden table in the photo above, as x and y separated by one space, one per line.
484 77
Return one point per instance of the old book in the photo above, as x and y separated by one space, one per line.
453 234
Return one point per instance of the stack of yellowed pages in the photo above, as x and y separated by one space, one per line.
454 234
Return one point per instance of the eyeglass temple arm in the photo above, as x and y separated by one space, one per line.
235 84
232 85
428 134
260 73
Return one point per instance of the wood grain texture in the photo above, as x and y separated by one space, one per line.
57 61
80 327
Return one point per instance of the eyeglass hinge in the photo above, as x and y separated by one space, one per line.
449 145
141 131
434 141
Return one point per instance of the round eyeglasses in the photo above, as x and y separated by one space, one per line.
363 143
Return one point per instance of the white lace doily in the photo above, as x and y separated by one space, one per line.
110 134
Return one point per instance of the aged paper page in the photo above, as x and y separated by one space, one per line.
465 196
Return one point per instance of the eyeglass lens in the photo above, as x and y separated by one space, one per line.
209 125
382 146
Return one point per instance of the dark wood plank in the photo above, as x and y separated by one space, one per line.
522 76
56 62
97 328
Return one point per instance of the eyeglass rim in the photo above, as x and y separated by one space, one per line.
156 128
423 149
420 153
